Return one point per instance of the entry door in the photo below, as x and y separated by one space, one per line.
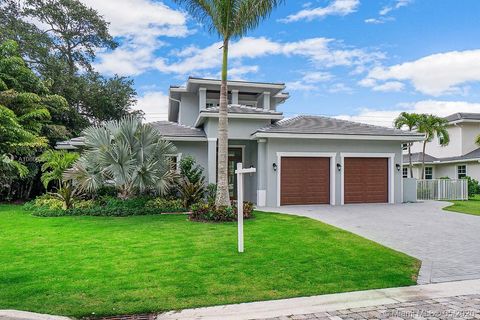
235 155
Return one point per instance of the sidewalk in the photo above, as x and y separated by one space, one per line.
316 307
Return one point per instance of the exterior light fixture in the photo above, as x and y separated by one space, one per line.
339 167
274 166
398 167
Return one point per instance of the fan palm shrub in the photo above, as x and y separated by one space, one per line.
126 154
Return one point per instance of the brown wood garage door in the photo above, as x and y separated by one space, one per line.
305 180
366 180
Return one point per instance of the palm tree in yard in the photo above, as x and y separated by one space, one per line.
432 126
229 19
410 121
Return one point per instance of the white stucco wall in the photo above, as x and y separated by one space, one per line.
454 148
189 111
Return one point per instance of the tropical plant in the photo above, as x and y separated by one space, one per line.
190 169
228 19
126 154
191 192
410 121
54 165
432 126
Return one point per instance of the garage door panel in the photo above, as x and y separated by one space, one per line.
366 180
305 180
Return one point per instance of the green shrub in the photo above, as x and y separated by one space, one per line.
207 212
191 170
85 204
211 193
166 205
473 187
45 202
48 206
190 192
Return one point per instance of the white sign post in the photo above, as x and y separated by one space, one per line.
240 172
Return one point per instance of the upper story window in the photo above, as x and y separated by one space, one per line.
405 172
404 146
441 140
461 171
428 173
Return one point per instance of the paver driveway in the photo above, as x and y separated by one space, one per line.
448 243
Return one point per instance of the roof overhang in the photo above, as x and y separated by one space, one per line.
455 122
445 162
181 138
337 136
203 115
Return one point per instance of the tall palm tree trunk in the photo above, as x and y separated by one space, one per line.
410 159
223 197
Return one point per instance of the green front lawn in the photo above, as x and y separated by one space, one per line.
78 266
471 206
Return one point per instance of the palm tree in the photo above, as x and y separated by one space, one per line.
409 120
228 19
54 165
127 154
432 126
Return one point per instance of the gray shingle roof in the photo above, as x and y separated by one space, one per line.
417 157
243 109
173 129
325 125
463 116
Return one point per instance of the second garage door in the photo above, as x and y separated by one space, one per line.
366 180
305 180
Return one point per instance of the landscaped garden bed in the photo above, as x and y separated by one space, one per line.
91 266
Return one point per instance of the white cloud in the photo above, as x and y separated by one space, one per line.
436 107
138 24
310 81
435 75
322 52
391 86
340 88
397 4
335 8
154 104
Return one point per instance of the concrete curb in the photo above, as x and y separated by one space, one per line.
25 315
324 303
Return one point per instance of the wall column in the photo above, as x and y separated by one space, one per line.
234 96
212 160
262 172
266 100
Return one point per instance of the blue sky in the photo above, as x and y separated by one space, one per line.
363 60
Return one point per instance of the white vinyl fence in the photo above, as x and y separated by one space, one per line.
442 189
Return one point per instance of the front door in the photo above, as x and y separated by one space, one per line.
235 155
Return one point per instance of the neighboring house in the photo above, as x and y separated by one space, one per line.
300 160
458 159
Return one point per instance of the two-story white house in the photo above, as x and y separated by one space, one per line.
299 160
460 158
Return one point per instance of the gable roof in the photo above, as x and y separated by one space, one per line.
305 124
463 116
417 157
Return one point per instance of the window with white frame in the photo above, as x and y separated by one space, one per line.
405 172
404 146
441 140
174 161
428 173
461 171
